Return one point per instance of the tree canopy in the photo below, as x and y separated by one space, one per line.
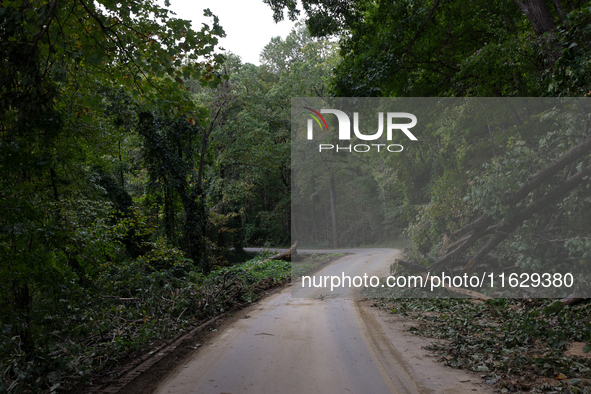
137 162
468 159
446 48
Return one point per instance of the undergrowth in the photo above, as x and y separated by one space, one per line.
131 303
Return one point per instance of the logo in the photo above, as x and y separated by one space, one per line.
344 132
317 121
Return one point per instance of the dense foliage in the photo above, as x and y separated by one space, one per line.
448 48
469 161
133 303
136 162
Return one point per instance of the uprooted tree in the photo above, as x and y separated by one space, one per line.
485 225
528 203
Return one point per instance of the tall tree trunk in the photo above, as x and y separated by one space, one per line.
315 203
168 213
121 167
333 210
21 302
362 226
539 15
193 230
559 10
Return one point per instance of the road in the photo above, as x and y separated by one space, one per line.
319 344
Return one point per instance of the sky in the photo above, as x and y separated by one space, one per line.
248 24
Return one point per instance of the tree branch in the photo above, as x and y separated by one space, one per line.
506 228
419 32
533 182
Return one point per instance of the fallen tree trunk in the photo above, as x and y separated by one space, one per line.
461 290
471 240
489 230
414 266
469 293
411 266
506 228
572 300
534 181
482 226
120 298
286 256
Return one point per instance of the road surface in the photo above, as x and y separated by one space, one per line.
326 344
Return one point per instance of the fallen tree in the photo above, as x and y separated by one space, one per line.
288 255
485 226
491 260
505 228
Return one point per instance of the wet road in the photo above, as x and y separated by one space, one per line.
288 344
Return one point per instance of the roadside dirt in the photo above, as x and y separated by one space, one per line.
408 360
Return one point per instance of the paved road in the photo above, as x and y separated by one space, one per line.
359 263
288 344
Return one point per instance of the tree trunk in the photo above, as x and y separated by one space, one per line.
333 210
506 228
559 10
480 227
539 15
21 301
168 213
194 230
534 181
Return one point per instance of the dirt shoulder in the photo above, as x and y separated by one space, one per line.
405 356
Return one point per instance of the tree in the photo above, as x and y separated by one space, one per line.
173 149
251 175
54 56
436 48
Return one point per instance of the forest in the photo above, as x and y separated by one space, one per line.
137 161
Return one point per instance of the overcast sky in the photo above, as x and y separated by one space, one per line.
248 24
